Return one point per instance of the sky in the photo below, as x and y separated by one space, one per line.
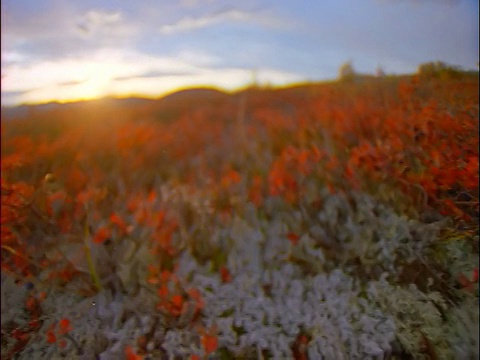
66 50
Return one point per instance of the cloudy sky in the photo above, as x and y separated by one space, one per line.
68 50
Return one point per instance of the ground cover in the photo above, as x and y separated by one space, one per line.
320 221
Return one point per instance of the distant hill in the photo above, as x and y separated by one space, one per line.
175 104
180 99
12 112
194 95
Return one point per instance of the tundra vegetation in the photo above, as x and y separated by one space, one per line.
335 221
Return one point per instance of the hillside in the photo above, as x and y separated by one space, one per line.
334 220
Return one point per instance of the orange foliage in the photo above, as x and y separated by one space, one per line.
120 171
293 238
209 343
65 326
118 221
225 275
131 355
101 235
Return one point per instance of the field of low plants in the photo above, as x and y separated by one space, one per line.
323 221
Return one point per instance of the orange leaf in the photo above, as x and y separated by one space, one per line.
42 295
195 295
177 301
34 324
293 238
130 354
225 274
163 291
65 326
152 196
101 235
62 343
463 280
166 275
153 275
209 343
51 338
117 220
30 303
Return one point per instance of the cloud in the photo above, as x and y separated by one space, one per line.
103 64
197 57
195 3
12 57
154 74
15 93
70 83
95 19
64 30
191 23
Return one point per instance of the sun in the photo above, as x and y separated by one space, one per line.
92 88
92 82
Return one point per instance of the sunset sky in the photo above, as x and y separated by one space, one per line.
59 50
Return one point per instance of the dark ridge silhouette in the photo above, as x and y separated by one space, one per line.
194 95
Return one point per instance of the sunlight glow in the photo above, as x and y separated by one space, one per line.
115 73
